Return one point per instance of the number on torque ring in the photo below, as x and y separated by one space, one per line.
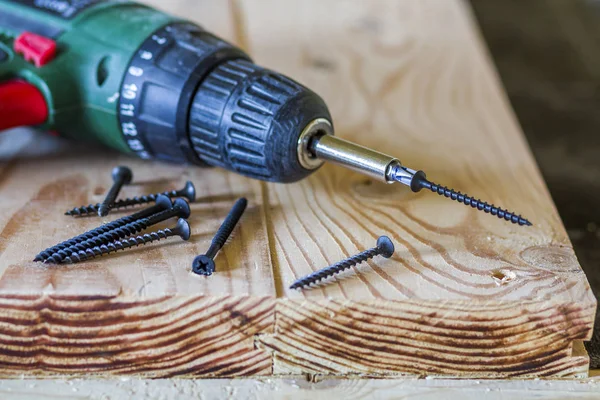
127 109
129 129
136 71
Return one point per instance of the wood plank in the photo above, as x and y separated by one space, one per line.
465 295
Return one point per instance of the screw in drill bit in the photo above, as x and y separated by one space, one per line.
188 192
317 146
179 209
417 180
162 203
204 264
182 229
384 247
121 176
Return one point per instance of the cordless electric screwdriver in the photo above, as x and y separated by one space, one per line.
143 82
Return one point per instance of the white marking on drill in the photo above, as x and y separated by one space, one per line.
146 55
128 110
135 145
158 39
129 129
136 71
113 98
130 91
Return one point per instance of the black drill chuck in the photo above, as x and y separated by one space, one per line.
248 119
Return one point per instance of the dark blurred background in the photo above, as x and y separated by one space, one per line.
547 53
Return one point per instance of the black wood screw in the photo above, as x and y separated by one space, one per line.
180 209
204 264
182 229
162 203
121 176
385 248
188 192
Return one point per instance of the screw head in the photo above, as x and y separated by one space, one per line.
122 173
164 202
385 245
203 265
184 208
182 229
189 191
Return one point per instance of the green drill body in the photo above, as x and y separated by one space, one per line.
81 85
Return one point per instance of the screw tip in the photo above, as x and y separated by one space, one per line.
471 201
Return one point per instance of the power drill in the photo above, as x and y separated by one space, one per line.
143 82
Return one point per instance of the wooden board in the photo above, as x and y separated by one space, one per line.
465 294
179 389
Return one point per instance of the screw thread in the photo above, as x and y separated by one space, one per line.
160 205
117 245
43 255
475 203
107 237
335 268
83 210
121 203
229 223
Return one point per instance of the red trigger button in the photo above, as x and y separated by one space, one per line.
35 48
21 104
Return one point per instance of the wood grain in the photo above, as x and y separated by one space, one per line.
465 294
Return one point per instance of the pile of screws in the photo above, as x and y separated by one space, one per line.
126 232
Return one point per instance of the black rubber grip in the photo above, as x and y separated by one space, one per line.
159 85
248 119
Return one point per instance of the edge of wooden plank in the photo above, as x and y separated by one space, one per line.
453 339
198 336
